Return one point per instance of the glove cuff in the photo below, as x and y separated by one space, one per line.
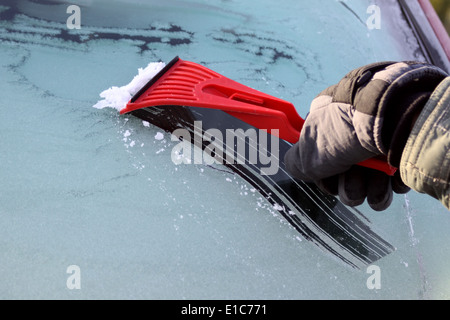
398 124
386 99
410 86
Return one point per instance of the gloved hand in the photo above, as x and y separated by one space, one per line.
370 112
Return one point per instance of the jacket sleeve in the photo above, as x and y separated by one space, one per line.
425 161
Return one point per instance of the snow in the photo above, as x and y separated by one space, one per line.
278 207
118 97
159 136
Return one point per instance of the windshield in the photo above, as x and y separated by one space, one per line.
93 189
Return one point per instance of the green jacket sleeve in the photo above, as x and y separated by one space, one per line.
425 162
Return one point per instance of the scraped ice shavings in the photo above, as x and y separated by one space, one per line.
118 97
277 207
159 136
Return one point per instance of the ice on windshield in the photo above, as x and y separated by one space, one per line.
86 187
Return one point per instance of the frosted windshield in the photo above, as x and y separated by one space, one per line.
87 187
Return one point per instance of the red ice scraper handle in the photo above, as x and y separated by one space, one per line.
184 83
